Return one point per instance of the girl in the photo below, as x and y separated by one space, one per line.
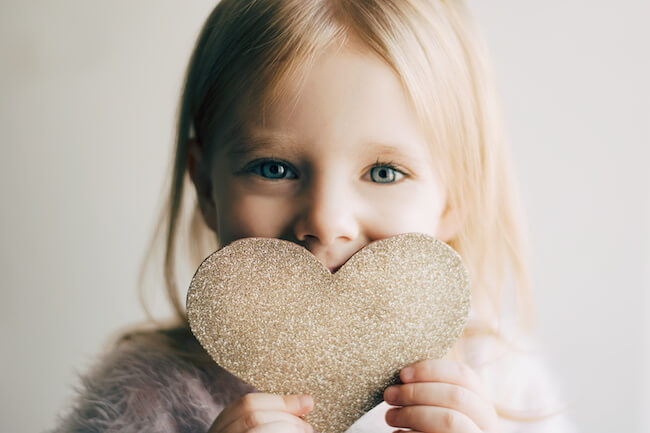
332 124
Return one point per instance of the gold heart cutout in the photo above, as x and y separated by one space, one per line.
269 312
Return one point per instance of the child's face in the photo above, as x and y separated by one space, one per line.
351 166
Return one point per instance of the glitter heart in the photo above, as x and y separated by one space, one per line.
269 312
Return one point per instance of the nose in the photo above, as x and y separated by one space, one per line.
327 214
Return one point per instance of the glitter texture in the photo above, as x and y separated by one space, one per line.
269 312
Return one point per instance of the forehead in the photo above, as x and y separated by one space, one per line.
346 95
347 69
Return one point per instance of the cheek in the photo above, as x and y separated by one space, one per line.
246 215
413 209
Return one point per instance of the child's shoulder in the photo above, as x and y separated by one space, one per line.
149 379
173 356
152 352
173 341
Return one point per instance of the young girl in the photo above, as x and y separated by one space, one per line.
332 124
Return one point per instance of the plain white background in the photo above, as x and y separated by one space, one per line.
89 91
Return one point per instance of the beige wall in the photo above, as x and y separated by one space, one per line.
88 97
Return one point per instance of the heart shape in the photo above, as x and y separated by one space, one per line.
269 312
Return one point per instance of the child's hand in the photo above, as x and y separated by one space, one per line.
264 413
440 396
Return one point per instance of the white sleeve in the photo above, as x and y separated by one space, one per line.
517 378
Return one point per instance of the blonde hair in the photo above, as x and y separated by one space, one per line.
247 50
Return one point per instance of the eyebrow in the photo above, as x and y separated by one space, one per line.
252 140
255 139
387 150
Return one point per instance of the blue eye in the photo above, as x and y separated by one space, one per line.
385 174
273 170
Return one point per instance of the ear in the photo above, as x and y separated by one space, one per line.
448 225
199 171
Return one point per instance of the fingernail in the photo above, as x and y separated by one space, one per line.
408 373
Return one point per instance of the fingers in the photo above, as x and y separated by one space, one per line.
443 370
431 419
245 408
268 420
444 395
280 427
